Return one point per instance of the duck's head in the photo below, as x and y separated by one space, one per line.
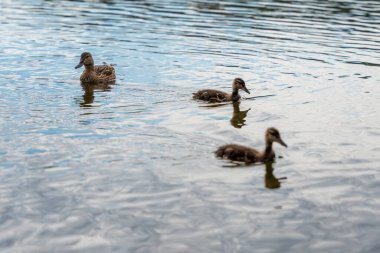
273 135
239 84
85 59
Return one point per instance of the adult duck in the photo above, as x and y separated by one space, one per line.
95 74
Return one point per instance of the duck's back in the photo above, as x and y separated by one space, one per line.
212 95
105 72
239 153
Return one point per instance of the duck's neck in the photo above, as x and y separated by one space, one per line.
235 92
235 95
268 153
90 67
89 75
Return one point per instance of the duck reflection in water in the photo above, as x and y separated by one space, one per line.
89 93
238 117
271 182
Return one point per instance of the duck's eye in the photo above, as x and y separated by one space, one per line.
274 134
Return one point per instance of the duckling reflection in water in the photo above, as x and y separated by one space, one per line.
245 154
238 117
95 74
216 96
271 181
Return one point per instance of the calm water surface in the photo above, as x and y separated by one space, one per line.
130 168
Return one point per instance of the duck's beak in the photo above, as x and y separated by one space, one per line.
246 90
80 64
280 141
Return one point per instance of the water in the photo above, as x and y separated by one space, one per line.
131 168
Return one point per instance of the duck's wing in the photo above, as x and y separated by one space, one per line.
237 153
105 72
211 95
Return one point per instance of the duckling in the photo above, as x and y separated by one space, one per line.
241 153
220 96
95 74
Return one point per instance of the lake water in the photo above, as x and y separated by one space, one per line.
131 168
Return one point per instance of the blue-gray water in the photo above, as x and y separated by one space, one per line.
131 168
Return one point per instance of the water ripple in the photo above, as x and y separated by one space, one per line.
130 167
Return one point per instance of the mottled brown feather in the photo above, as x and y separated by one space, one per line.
212 95
237 152
105 73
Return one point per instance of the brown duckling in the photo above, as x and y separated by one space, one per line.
216 96
245 154
95 74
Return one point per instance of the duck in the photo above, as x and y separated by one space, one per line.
217 96
240 153
95 74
